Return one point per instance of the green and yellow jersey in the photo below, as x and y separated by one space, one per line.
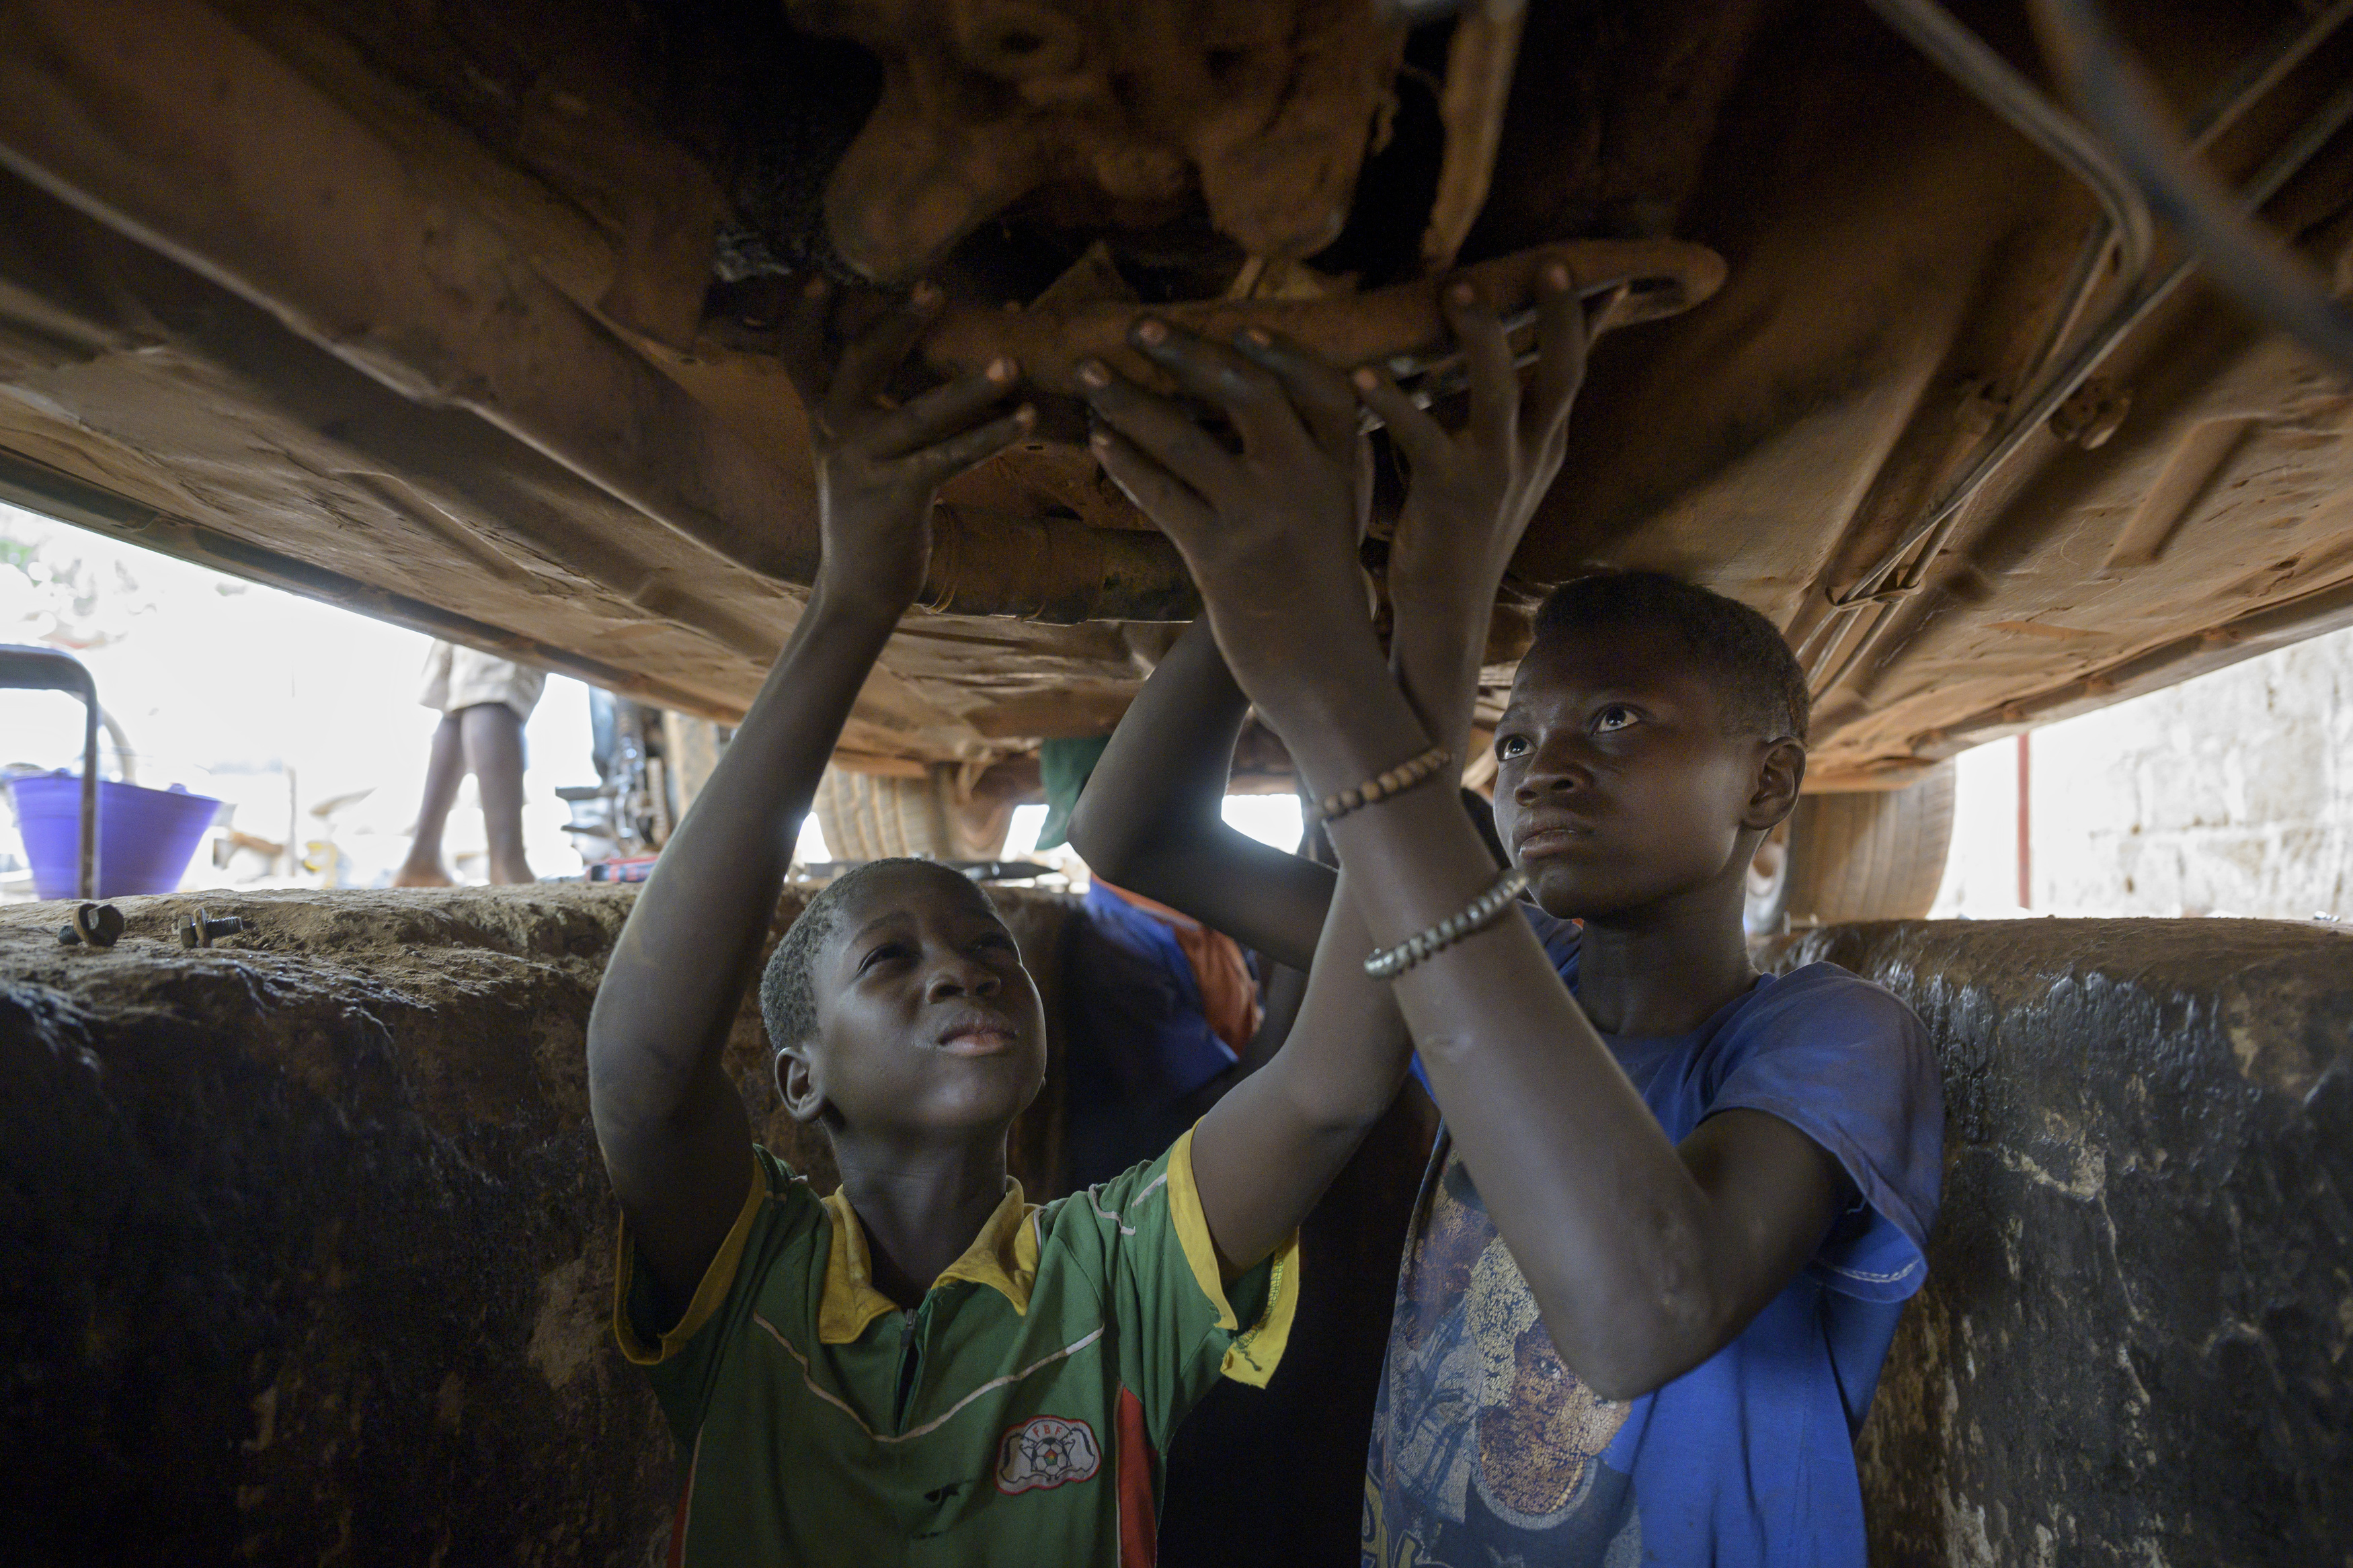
1017 1414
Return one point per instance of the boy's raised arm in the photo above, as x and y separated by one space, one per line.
1643 1258
1149 817
1264 1154
673 1130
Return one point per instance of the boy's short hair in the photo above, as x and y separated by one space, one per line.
788 988
1757 680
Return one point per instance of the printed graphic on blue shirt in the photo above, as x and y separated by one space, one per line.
1487 1450
1494 1446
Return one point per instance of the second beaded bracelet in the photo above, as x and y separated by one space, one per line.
1475 916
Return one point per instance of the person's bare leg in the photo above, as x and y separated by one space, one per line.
443 774
494 752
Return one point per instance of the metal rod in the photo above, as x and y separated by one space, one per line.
1995 83
86 876
2254 77
2025 822
2080 366
2082 282
2316 133
2253 265
2261 71
26 667
1936 526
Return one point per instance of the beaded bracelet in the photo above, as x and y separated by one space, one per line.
1397 780
1476 916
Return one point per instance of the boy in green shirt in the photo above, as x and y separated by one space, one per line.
1017 1414
922 1368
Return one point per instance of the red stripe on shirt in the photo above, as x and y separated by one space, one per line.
677 1556
1139 1526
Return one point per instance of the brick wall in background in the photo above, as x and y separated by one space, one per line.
2231 794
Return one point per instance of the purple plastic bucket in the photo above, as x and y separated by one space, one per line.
145 837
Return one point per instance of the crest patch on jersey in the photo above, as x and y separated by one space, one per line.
1044 1452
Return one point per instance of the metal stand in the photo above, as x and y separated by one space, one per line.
47 670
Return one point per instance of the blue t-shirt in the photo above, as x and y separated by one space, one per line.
1140 1040
1168 1034
1486 1447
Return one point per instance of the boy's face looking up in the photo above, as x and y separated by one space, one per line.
1621 785
926 1020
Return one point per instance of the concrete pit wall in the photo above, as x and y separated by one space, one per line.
305 1251
2132 1348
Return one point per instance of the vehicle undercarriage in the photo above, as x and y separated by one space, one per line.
463 314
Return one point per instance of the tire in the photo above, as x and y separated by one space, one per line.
875 817
1868 855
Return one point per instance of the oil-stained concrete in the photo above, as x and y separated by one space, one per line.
2132 1348
305 1249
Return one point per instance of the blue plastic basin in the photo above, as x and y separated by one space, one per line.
145 837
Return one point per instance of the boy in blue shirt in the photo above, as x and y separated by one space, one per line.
1658 1258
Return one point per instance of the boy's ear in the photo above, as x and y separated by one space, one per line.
797 1083
1779 771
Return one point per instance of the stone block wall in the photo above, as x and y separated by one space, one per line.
2229 794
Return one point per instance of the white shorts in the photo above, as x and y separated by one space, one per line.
457 677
